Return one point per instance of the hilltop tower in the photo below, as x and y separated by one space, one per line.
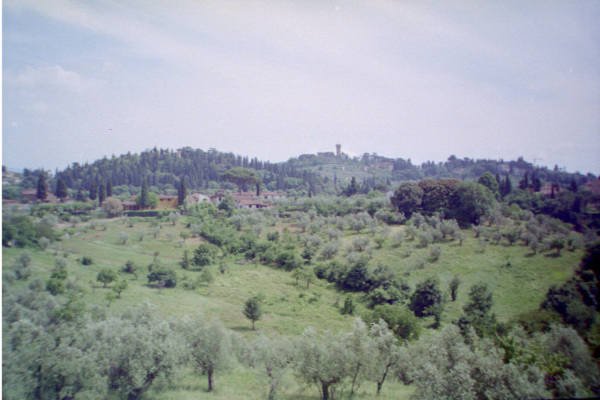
338 150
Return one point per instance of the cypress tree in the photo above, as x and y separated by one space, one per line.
101 193
108 189
536 183
79 196
93 190
42 187
144 200
524 183
61 189
181 192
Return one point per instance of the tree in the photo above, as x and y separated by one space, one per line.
185 261
359 360
477 311
252 310
304 274
61 189
471 202
209 346
143 199
489 181
524 183
242 177
109 188
443 366
163 277
101 193
137 349
120 287
352 188
322 360
181 192
93 190
407 198
106 276
80 196
506 186
204 255
23 266
275 356
42 187
401 321
427 299
384 351
113 207
454 283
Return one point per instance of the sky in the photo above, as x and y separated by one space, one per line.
275 79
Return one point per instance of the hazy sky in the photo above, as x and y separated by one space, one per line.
274 79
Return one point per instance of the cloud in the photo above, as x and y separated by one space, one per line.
49 77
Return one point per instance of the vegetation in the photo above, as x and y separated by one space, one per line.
449 289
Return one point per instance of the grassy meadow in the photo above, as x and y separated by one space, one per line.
518 279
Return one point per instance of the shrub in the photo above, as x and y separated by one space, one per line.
162 277
86 260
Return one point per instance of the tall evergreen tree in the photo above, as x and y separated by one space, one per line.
80 196
93 190
144 199
101 193
536 183
181 192
108 188
524 183
61 189
42 187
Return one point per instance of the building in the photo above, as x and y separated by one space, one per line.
166 202
197 198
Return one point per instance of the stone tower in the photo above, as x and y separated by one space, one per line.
338 150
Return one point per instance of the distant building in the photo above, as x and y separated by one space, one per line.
166 202
338 150
197 198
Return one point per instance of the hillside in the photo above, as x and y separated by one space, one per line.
311 262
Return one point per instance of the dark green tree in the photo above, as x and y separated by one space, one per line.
427 298
536 182
524 183
61 189
454 283
80 196
42 187
477 312
143 199
352 188
471 202
106 276
252 310
181 192
489 181
407 198
101 193
109 188
242 177
506 186
93 190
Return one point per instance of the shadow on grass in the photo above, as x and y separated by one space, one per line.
242 329
552 255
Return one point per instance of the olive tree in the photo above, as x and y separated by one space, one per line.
136 349
209 347
274 357
322 360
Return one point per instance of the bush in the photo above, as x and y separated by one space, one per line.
162 277
86 260
204 255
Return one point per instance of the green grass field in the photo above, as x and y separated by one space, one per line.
287 308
